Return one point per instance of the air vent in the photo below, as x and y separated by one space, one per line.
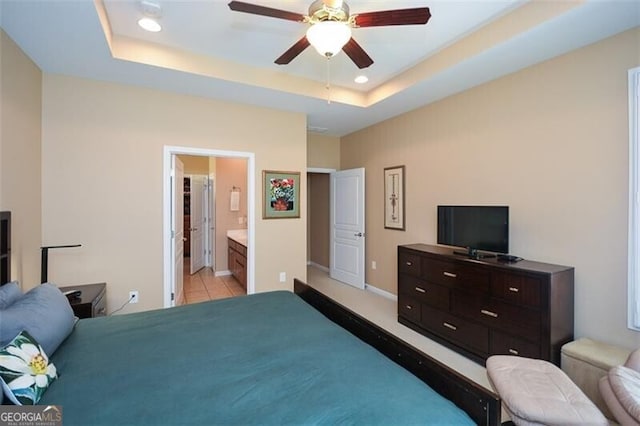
317 129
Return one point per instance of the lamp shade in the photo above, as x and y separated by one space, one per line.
328 37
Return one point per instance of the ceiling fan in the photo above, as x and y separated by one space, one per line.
330 27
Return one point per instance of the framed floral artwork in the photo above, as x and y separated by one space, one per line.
394 198
281 194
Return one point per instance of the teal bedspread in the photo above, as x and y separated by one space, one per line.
267 359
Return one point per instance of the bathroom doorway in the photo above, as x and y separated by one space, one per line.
223 184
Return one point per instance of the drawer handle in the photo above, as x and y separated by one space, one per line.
409 307
513 352
420 290
409 263
450 326
489 313
450 274
514 289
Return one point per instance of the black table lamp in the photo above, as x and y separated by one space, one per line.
44 264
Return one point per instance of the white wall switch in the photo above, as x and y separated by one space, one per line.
283 277
374 265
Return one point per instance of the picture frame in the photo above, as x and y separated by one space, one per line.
280 194
394 216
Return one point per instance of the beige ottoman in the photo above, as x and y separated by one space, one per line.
586 361
536 392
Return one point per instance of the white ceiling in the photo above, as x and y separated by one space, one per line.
207 50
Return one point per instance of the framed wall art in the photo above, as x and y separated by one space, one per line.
394 198
281 194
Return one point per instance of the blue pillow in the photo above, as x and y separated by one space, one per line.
9 293
44 312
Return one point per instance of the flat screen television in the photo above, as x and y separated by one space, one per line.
484 228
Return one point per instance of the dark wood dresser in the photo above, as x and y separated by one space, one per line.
91 303
485 307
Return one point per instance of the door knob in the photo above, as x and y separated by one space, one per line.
359 234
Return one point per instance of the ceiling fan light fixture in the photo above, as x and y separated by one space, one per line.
329 37
149 24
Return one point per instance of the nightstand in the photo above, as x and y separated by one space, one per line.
91 303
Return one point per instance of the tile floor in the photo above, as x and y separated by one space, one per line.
204 285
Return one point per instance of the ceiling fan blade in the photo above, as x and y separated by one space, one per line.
239 6
416 16
293 51
357 54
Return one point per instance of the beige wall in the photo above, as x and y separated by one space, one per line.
318 184
230 172
115 210
195 165
323 151
20 165
551 142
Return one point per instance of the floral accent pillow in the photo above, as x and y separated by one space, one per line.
25 370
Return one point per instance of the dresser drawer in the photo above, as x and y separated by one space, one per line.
515 288
431 294
464 333
408 308
455 274
504 344
409 264
493 313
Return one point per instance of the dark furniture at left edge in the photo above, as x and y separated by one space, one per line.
5 247
91 303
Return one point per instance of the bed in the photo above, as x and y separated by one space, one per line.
268 358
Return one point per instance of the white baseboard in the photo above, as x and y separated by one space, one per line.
222 273
381 292
317 265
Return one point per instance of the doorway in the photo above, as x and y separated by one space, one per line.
318 231
170 240
335 233
198 215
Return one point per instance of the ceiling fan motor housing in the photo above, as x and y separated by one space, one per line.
319 11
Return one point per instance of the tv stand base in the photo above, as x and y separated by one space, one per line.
474 254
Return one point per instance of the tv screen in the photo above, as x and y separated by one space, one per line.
475 227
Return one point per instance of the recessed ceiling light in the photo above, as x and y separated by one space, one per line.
149 25
361 79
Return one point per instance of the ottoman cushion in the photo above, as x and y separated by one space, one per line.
537 392
597 354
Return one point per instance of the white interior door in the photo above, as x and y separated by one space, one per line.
177 219
198 225
347 259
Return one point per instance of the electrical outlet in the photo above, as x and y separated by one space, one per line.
374 265
283 277
133 296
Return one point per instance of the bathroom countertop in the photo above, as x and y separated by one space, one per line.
238 235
